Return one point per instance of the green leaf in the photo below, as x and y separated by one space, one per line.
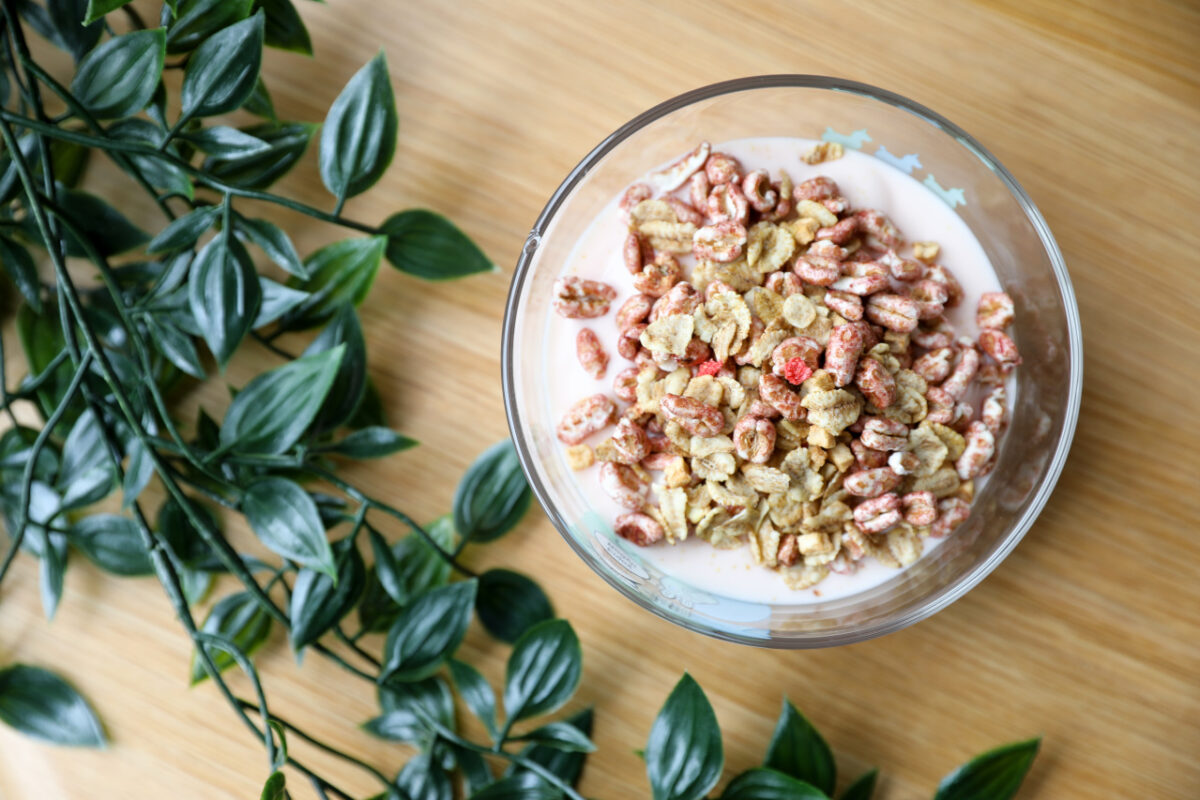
285 519
224 294
376 610
157 172
370 411
183 232
195 584
51 568
863 788
70 161
477 693
259 102
242 620
508 604
408 709
137 474
424 779
426 244
560 736
61 22
108 231
761 783
223 141
428 632
41 339
44 505
339 274
288 142
359 135
275 788
351 380
285 29
16 448
565 764
995 775
411 567
271 239
40 704
684 756
98 8
87 473
196 20
798 749
118 78
372 442
19 266
186 542
518 788
277 300
222 72
176 345
276 408
112 543
543 670
492 496
318 603
475 772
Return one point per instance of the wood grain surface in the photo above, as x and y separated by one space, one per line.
1089 633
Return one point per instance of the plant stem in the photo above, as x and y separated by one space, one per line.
353 645
514 758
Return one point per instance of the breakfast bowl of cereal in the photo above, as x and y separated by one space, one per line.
791 361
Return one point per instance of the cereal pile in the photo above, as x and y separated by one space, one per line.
800 391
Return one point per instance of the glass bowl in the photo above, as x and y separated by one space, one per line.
999 213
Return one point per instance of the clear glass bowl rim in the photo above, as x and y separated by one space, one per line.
964 582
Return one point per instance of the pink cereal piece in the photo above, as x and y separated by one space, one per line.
658 460
708 368
952 512
638 529
878 514
796 372
776 393
722 168
760 408
674 176
933 338
981 445
995 407
836 205
893 311
695 417
685 212
698 191
697 352
877 225
721 241
802 347
871 279
903 462
935 365
848 305
726 202
880 433
634 195
1000 346
920 508
633 253
960 377
826 248
580 298
681 299
867 458
630 442
840 233
941 405
657 278
629 343
902 269
715 288
842 353
930 297
992 374
743 355
589 415
754 439
634 310
817 189
625 384
963 412
943 275
622 484
789 550
871 482
644 359
817 270
784 206
757 188
875 382
786 284
995 311
591 354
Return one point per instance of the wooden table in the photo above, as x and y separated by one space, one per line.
1088 634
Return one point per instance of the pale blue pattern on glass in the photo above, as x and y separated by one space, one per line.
854 141
905 164
953 197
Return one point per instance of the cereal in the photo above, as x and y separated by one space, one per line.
796 386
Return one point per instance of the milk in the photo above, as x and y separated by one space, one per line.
866 182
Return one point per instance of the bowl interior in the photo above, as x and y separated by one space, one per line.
1000 215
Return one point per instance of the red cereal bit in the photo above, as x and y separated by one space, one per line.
878 514
903 462
580 298
622 484
630 442
1000 346
817 270
842 352
952 512
754 439
995 311
698 190
894 312
759 408
954 289
930 297
935 337
758 191
935 365
658 460
722 168
875 382
625 384
920 508
589 415
783 189
695 417
709 367
802 347
722 241
871 482
717 287
796 372
636 252
827 249
875 224
880 433
941 405
776 393
817 189
638 529
591 354
743 356
960 377
840 233
726 202
995 407
633 311
684 212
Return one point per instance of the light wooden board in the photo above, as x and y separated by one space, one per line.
1087 634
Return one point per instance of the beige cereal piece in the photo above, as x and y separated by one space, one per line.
926 251
818 212
928 447
943 482
821 438
764 304
841 456
823 151
672 505
904 544
954 441
669 334
716 465
580 456
706 389
708 445
910 406
767 480
768 247
803 230
832 410
668 237
799 311
735 393
805 477
676 475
